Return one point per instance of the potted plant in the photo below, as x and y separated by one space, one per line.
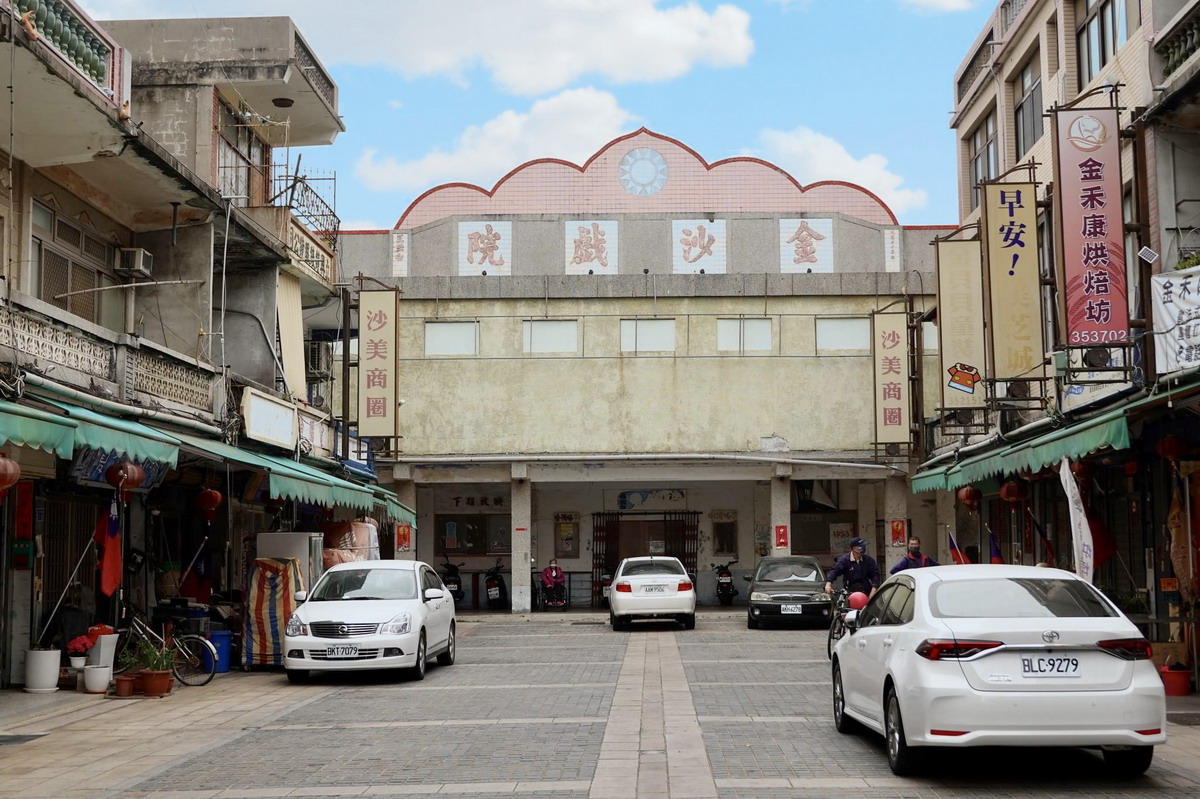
130 665
156 673
41 670
77 649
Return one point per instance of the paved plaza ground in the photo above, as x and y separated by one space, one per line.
537 706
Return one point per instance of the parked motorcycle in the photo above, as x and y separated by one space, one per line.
495 588
725 590
606 585
452 579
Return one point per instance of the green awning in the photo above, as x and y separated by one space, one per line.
30 427
394 509
931 480
303 482
113 434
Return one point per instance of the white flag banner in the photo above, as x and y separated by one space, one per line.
1176 302
1081 533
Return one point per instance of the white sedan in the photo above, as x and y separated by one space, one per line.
372 614
991 655
652 587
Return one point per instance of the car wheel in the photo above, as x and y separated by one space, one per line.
616 621
1130 762
688 621
901 757
447 657
297 676
417 672
841 721
751 623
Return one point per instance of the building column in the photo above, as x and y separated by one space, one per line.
895 508
522 520
867 515
406 492
781 509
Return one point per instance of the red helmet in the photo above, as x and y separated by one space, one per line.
857 600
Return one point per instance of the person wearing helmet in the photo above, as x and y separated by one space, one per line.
914 558
858 570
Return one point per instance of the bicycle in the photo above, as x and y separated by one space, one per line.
194 660
837 625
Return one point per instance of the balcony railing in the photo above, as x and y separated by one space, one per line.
316 76
1009 11
978 64
311 196
306 249
68 31
1181 39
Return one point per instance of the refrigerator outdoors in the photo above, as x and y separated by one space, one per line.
304 547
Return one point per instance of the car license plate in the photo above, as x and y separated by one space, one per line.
654 589
341 651
1062 666
791 609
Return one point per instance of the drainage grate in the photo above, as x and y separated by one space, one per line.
18 739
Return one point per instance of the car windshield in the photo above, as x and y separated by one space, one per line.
652 567
365 584
788 572
1016 598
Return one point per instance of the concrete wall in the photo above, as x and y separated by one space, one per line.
252 307
204 41
177 316
180 118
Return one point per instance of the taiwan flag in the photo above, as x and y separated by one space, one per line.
108 538
995 548
1042 535
955 553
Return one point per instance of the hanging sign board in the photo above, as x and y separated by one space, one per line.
960 323
377 364
1013 280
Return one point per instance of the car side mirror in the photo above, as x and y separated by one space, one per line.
434 593
301 596
851 620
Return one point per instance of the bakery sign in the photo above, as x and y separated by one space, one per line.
960 322
890 354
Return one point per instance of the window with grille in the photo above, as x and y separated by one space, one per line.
1102 29
68 260
984 162
1028 116
243 160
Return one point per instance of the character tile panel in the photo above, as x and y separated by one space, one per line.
591 247
805 245
399 254
698 245
484 248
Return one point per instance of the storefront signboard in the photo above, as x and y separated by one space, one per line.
960 323
1176 299
890 351
1014 285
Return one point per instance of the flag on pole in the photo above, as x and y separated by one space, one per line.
108 537
994 547
1081 533
1042 535
955 553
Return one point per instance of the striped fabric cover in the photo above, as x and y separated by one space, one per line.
270 602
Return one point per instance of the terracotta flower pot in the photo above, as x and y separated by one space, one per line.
139 684
157 683
125 684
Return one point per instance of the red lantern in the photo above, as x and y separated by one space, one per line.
124 476
1014 491
208 501
970 496
1172 447
10 473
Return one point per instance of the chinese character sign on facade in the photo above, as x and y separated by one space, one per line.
889 348
1095 309
399 254
484 248
805 245
591 247
698 245
377 364
891 250
1176 297
960 323
1009 222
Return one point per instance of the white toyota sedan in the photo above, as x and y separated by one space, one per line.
991 655
652 587
371 614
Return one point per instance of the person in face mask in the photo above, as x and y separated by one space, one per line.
914 558
554 582
858 570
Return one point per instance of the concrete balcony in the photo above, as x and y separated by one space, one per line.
311 256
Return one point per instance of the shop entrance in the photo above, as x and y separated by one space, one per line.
625 535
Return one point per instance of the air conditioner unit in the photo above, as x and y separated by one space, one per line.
135 262
318 358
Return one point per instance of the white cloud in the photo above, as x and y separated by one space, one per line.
571 125
810 156
395 104
529 46
361 224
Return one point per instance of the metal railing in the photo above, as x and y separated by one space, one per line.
978 64
1009 11
68 31
316 76
1181 41
311 196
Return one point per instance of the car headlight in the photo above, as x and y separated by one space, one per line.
397 626
822 598
759 596
295 626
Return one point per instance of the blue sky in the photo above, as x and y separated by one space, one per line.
435 91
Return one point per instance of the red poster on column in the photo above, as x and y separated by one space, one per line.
781 536
899 532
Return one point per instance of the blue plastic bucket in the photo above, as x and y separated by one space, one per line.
223 641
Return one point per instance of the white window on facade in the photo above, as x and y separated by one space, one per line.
837 334
451 338
647 335
929 336
69 262
1102 27
984 163
744 335
1028 113
243 160
551 336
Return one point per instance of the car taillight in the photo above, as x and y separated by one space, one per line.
685 585
1127 648
935 649
624 588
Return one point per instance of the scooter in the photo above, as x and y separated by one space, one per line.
725 590
497 591
606 585
451 578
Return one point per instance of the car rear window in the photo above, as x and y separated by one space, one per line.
1014 598
366 584
652 567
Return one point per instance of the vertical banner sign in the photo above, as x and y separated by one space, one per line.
1013 280
889 347
781 536
1087 176
376 364
960 323
1176 297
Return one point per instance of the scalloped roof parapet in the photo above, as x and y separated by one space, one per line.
692 185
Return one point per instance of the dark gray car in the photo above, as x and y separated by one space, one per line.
790 589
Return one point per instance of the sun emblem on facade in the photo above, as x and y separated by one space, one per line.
643 172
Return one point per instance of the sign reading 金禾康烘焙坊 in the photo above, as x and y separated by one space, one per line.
1176 299
377 409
